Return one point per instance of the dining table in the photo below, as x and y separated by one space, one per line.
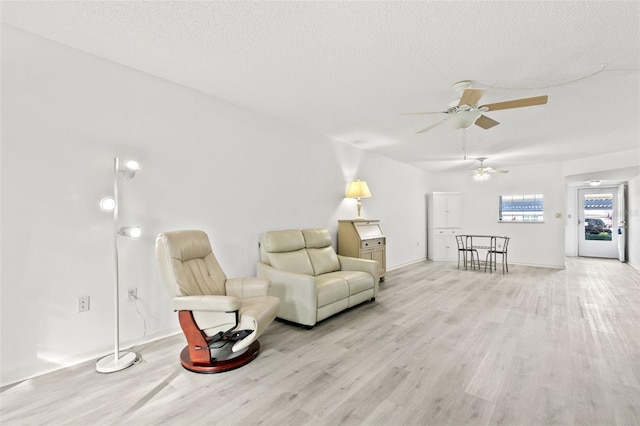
486 243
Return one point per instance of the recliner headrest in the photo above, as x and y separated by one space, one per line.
188 244
316 238
282 241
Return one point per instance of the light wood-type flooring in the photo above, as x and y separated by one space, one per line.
438 346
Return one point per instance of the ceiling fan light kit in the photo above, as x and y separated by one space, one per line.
480 177
464 119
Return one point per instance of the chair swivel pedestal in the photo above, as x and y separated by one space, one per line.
199 356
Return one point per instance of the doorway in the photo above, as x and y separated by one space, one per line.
598 222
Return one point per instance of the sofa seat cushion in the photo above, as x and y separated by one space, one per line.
331 289
357 280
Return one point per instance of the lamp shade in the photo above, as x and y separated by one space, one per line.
133 232
358 189
130 169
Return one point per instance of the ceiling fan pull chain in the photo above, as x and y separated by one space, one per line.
464 143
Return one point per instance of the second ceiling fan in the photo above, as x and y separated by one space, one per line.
465 112
482 172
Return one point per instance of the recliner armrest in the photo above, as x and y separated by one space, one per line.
364 265
357 264
247 287
206 303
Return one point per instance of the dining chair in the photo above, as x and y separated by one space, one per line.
498 248
463 250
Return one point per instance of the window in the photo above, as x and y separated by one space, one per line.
598 214
521 208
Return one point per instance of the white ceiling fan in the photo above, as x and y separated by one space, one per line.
465 112
482 172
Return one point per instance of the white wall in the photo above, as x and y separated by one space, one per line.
539 244
206 164
571 222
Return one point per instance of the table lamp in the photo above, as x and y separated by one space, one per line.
358 189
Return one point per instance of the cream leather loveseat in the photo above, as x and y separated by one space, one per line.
310 279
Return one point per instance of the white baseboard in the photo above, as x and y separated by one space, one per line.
406 264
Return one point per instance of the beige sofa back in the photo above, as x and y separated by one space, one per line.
307 252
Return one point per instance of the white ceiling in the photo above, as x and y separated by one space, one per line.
346 69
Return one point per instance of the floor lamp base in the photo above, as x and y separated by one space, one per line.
109 364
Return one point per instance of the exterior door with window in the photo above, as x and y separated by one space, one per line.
598 222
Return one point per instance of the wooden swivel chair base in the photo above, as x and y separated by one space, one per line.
205 354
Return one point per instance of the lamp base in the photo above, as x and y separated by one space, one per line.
109 364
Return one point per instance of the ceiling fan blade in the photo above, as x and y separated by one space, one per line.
517 103
471 97
498 171
432 126
486 122
423 113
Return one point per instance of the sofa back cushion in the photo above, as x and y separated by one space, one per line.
285 250
321 253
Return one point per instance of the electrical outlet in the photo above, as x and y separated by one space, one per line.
133 293
83 304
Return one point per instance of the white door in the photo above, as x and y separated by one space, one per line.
622 224
598 222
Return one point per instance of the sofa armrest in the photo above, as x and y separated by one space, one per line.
206 303
364 265
297 294
246 287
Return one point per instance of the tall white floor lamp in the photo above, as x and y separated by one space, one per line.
119 360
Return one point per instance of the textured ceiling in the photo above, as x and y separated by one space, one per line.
346 69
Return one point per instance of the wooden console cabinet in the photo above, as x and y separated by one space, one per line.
363 239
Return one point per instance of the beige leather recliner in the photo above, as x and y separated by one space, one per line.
221 317
310 279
